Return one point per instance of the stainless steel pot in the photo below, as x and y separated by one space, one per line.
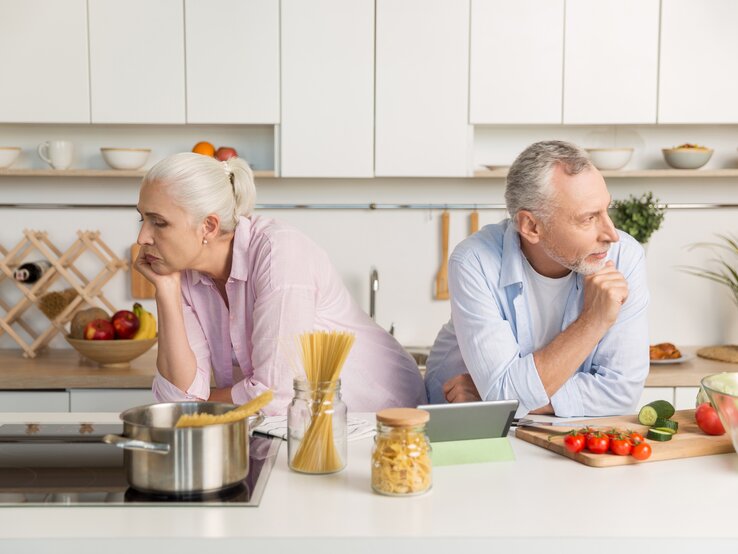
162 459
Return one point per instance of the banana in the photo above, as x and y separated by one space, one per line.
147 323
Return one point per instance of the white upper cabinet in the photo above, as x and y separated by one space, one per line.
699 50
137 60
327 127
517 56
422 88
611 61
44 61
232 61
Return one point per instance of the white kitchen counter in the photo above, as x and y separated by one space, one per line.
541 501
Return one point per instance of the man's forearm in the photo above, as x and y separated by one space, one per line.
559 360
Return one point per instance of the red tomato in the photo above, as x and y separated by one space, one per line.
574 442
635 437
620 445
597 443
641 451
708 419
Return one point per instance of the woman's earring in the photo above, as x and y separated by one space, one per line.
204 241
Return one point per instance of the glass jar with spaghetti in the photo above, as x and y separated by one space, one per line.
401 463
316 427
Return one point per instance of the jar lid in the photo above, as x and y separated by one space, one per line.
403 417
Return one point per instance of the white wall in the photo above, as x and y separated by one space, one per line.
404 245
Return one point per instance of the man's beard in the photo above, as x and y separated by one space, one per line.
577 265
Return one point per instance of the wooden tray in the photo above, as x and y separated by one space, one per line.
688 442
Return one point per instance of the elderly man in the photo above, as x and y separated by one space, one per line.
547 307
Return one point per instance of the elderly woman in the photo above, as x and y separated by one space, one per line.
235 290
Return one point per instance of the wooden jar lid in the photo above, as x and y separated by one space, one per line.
403 417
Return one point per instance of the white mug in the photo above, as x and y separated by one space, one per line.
56 153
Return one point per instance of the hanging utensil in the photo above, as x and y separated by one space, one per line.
442 276
473 222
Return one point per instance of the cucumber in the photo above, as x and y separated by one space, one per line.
660 436
658 409
664 430
668 424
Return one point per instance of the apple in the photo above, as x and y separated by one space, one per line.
225 153
99 329
125 323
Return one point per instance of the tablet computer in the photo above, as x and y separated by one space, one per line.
469 420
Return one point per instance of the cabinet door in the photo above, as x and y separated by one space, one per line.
517 57
699 49
611 61
108 400
137 61
327 127
422 88
32 401
44 64
685 398
232 61
656 393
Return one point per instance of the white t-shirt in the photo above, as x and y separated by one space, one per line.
547 301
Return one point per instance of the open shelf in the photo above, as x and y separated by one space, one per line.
94 173
630 174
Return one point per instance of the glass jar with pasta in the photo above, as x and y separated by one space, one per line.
401 462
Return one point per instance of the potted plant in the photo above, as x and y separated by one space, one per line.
725 274
639 217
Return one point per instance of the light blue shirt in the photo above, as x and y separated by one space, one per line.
490 337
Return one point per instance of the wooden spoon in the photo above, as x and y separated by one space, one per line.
473 222
237 414
442 276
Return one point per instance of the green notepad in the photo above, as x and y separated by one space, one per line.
474 451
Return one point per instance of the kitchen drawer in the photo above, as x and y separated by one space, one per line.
108 400
685 397
656 393
34 401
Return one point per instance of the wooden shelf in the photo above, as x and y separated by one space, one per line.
630 174
94 173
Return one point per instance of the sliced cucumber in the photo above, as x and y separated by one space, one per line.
664 430
662 423
658 409
658 435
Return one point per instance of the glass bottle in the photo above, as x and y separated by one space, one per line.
401 461
30 272
316 427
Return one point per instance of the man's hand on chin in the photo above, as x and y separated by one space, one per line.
461 389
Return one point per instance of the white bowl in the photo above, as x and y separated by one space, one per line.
8 155
125 158
609 158
687 158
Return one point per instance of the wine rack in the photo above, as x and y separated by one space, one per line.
36 245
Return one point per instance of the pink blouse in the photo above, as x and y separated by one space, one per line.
282 285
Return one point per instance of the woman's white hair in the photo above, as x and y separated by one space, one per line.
529 179
202 185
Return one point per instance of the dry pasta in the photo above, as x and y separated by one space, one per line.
401 462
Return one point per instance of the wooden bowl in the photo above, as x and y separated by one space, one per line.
111 353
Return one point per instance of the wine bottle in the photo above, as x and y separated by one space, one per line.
30 272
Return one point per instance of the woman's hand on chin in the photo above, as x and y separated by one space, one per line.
159 280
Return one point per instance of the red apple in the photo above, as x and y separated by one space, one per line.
125 323
225 153
99 329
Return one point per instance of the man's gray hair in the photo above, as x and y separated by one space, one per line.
529 179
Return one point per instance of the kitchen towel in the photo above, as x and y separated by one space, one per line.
473 451
276 426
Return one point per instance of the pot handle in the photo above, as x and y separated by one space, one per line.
258 420
135 444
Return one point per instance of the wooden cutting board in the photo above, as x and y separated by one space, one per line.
688 442
140 286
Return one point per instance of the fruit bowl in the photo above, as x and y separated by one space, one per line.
609 158
8 155
722 389
111 353
687 156
125 158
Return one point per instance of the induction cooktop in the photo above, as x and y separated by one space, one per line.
69 465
